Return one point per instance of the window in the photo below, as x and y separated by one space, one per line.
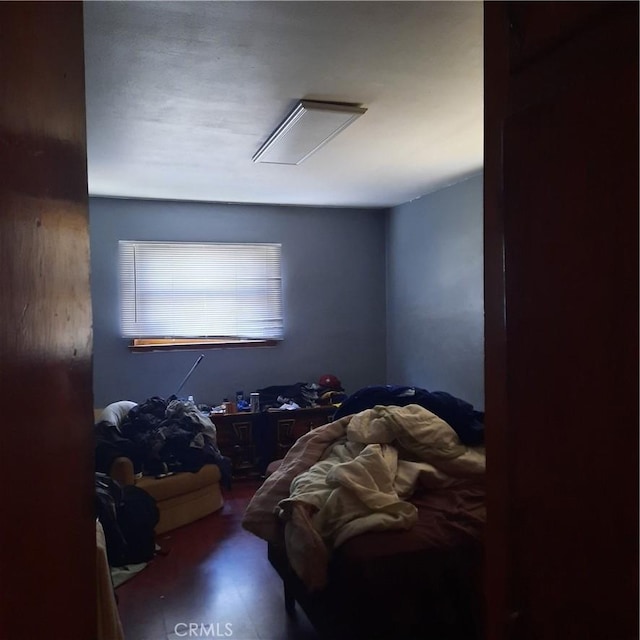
200 292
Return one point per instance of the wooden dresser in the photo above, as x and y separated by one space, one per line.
253 440
285 427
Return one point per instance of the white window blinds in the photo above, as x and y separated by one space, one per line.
197 290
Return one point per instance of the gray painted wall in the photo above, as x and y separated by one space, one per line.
333 291
435 308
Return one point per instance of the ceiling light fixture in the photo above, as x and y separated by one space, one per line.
308 127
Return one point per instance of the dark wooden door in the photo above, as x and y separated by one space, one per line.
561 242
47 527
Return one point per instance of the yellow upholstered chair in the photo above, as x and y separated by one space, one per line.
182 497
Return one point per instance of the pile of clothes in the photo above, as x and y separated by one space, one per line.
328 390
298 395
161 436
459 414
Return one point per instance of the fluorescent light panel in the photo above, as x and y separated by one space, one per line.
307 128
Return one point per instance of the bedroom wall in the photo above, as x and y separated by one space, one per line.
435 321
333 291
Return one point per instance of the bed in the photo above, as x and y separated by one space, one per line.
375 524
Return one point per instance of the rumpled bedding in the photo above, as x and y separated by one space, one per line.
459 414
354 476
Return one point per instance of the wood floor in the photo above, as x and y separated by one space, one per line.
216 576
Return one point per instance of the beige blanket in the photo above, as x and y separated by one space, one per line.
353 476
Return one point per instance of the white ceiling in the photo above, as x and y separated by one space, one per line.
180 95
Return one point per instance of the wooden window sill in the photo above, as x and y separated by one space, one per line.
185 344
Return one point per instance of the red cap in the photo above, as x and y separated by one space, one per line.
330 381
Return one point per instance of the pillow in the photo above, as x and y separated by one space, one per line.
116 412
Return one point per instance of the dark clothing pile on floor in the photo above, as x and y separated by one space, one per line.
161 436
458 414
